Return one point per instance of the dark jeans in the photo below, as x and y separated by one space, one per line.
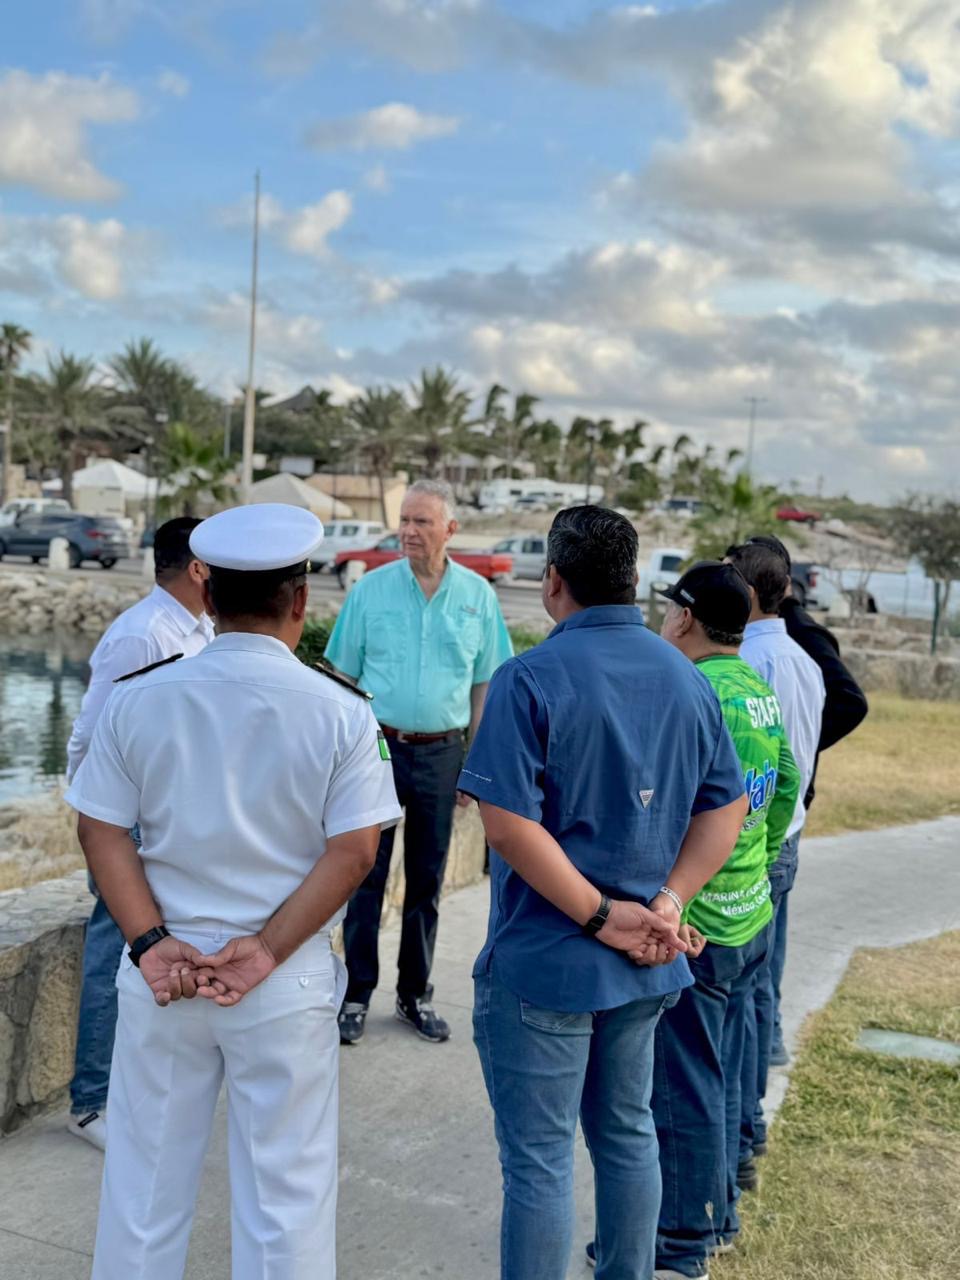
763 1026
426 780
698 1050
97 1023
542 1069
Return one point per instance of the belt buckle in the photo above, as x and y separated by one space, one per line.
401 736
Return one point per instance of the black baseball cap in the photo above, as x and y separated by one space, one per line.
715 593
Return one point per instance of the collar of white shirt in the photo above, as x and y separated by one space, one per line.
250 642
764 626
181 617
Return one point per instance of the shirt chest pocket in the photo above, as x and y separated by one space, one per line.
386 637
460 637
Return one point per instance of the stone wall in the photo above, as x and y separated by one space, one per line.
912 675
41 945
38 602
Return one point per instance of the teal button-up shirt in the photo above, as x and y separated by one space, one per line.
419 658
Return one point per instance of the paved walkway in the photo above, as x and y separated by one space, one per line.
420 1183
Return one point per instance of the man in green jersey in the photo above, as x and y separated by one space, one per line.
699 1043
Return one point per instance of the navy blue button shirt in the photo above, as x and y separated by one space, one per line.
611 739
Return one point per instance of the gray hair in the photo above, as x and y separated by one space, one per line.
436 489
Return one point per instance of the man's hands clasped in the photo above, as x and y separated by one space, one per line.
649 935
175 970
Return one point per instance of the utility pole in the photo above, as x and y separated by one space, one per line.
752 401
227 428
250 402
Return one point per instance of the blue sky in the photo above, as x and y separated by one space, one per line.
640 210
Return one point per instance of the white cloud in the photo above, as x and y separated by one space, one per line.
302 231
392 127
174 83
41 255
92 255
307 229
44 122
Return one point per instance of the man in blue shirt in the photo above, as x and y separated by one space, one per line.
423 635
607 780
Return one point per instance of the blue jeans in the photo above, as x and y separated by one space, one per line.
102 949
763 1029
696 1104
543 1068
97 1024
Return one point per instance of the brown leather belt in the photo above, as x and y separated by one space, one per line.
420 739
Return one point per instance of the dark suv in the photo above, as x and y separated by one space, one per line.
90 538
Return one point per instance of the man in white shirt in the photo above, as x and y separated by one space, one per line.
798 683
261 788
170 620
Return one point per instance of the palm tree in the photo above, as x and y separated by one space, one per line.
380 418
195 467
438 415
69 395
14 344
143 376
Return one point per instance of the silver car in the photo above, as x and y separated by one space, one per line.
529 551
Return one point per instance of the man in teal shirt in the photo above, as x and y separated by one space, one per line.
424 636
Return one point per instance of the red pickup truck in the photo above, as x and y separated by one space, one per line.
495 566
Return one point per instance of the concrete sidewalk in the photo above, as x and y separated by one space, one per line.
419 1174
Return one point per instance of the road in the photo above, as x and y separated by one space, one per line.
520 601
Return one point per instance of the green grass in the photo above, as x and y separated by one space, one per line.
862 1181
898 767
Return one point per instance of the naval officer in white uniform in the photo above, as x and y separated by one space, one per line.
261 788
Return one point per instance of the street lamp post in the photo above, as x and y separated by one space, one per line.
592 437
752 401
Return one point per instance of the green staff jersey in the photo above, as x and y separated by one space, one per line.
735 905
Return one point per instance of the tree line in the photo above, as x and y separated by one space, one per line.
141 401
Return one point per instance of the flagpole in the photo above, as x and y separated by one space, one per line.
250 401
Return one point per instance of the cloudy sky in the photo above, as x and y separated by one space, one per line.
645 210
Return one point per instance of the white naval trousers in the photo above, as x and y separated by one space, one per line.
278 1050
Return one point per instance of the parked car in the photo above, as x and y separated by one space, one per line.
31 506
798 515
492 565
685 507
343 535
529 553
100 538
662 568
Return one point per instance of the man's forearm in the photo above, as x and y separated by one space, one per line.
535 855
345 864
117 870
706 847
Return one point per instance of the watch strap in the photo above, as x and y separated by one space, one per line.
147 940
596 922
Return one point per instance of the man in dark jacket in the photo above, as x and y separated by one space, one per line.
846 704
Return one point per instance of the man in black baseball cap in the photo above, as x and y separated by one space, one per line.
717 597
701 1042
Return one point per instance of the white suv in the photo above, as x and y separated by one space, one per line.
32 506
343 535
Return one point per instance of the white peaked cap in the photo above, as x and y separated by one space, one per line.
263 536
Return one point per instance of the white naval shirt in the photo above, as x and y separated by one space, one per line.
239 764
796 680
156 627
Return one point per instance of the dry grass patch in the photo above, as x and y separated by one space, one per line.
863 1177
900 766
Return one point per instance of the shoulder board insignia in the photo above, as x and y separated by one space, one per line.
152 666
332 674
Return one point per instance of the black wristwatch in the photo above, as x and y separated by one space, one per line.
147 940
596 923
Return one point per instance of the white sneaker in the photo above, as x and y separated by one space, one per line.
91 1128
667 1273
